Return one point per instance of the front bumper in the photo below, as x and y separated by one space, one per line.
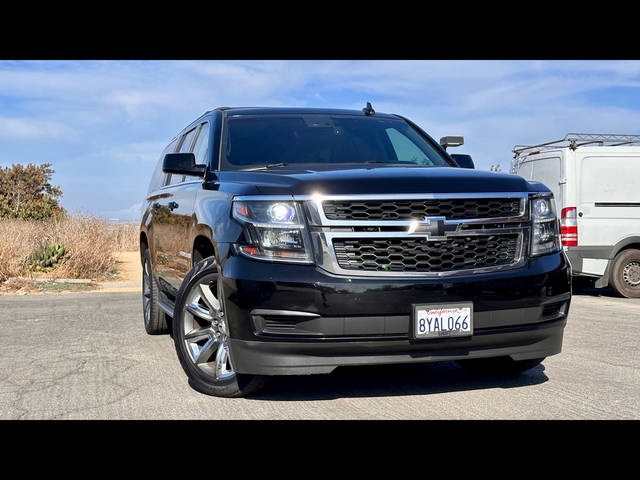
297 319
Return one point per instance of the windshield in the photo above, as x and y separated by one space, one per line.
263 140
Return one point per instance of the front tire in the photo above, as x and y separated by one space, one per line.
200 335
625 274
498 366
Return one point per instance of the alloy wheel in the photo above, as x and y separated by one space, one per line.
205 331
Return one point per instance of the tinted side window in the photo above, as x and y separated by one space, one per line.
188 140
201 148
185 146
158 177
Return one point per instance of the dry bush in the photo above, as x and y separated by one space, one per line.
90 243
18 238
127 236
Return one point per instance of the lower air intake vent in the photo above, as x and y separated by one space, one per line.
280 323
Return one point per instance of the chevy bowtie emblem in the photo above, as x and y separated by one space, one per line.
435 228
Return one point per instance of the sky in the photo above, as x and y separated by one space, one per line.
103 124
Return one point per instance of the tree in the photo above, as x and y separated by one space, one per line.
26 192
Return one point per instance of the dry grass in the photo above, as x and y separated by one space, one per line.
90 242
127 236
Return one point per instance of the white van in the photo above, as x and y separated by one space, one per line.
595 179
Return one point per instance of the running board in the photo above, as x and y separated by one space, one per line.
165 308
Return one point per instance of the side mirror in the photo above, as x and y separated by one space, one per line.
182 164
464 161
451 142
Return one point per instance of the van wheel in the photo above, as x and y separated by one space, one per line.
201 336
155 320
498 366
625 274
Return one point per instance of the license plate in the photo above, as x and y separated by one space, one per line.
442 320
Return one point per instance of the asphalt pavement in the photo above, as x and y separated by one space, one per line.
87 356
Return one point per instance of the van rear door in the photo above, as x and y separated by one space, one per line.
547 168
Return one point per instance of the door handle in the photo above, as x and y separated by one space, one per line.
172 205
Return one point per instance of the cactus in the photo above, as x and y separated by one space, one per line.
46 257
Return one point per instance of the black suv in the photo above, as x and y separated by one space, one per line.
287 241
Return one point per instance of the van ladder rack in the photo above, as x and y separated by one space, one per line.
576 140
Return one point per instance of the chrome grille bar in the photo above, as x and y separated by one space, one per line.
324 230
317 215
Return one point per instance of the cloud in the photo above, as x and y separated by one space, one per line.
107 121
29 128
129 153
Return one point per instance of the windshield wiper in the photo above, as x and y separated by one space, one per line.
272 165
269 165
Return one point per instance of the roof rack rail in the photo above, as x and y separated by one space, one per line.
576 140
232 108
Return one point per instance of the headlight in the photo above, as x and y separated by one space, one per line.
274 230
545 237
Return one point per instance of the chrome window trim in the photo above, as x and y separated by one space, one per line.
186 182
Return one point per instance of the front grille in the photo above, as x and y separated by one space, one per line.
451 208
420 255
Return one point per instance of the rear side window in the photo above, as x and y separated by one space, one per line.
187 140
201 148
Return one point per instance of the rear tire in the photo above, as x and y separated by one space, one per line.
498 366
625 273
155 320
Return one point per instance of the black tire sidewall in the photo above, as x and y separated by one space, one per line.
156 323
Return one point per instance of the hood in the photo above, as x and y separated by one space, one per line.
374 179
